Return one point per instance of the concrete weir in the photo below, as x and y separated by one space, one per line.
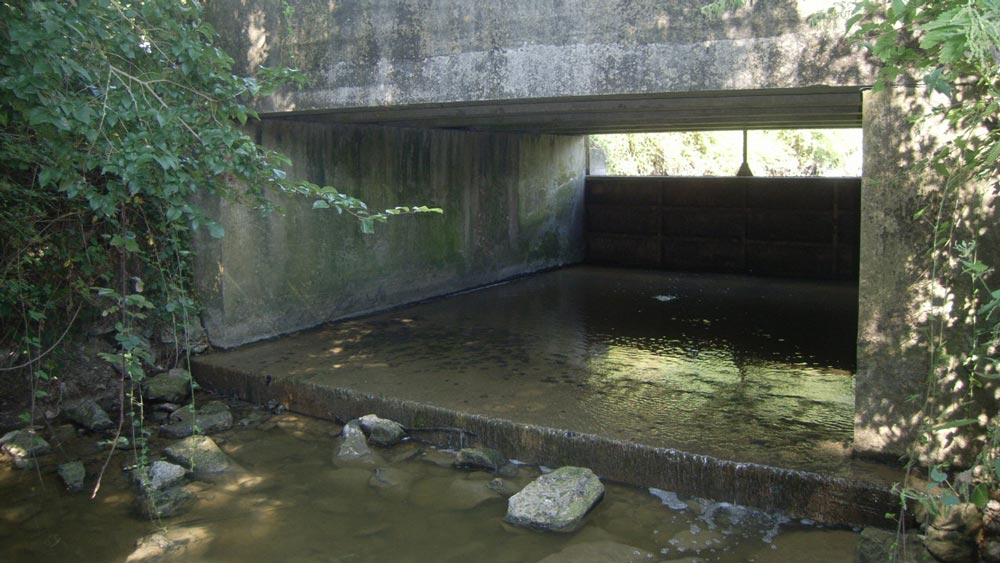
800 494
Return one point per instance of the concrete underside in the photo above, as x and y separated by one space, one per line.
529 395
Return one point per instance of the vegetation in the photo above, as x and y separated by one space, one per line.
785 152
116 116
950 47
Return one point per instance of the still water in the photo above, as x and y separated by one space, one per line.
743 369
289 501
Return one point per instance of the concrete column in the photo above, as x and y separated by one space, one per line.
903 290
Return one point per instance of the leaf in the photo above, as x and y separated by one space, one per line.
980 495
955 424
216 230
367 225
938 476
949 499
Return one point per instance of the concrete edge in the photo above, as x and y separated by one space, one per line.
798 494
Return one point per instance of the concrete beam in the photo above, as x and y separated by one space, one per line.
567 66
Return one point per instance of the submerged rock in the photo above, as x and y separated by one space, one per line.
175 544
480 458
382 431
163 503
878 546
199 454
557 501
213 416
599 552
88 414
23 446
354 447
72 473
171 387
391 481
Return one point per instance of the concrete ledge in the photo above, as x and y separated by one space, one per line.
799 494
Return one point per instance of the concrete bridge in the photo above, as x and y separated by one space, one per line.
482 108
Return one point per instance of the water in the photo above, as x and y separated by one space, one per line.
290 502
743 369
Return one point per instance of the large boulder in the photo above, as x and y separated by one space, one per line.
213 416
382 431
171 387
23 446
480 458
198 454
557 501
88 414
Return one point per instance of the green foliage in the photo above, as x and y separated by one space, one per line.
785 152
114 116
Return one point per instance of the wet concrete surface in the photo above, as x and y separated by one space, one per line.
707 369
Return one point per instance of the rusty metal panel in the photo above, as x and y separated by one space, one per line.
623 219
623 250
704 255
791 225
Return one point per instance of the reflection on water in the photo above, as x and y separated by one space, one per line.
740 368
290 502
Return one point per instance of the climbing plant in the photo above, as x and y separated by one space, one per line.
116 117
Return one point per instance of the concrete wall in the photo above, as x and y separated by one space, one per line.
512 204
798 227
372 53
902 293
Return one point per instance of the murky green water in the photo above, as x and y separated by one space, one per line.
290 502
744 369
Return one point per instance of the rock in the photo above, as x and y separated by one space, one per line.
556 501
175 544
991 551
695 539
171 387
88 414
878 546
502 488
382 431
991 518
198 454
465 495
354 447
952 536
23 446
480 458
213 416
159 475
163 503
599 552
391 481
72 473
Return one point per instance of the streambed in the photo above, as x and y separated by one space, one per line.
289 501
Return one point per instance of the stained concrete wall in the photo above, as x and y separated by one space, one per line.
512 204
383 53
